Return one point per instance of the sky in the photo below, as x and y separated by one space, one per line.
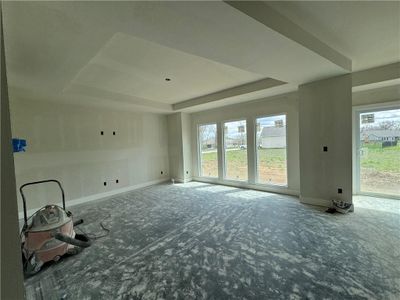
270 121
264 121
384 116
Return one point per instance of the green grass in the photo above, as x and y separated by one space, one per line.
272 157
272 165
381 159
376 158
209 156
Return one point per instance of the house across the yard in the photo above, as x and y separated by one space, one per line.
273 137
210 143
381 135
234 142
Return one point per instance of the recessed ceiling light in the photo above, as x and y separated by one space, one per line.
167 79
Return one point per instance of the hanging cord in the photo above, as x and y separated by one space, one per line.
92 236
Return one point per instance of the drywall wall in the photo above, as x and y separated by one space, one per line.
325 119
179 146
378 95
250 111
187 145
65 143
11 286
175 147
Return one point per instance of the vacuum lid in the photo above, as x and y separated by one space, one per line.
49 217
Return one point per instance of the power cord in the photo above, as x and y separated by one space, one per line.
92 236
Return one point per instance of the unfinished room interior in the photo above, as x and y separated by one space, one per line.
200 150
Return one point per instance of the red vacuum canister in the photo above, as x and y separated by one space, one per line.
49 233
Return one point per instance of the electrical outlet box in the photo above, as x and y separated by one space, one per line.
117 181
105 183
325 148
340 191
162 172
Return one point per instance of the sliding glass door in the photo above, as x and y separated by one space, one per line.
208 164
378 151
271 150
235 150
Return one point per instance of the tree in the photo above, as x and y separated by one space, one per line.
207 134
386 125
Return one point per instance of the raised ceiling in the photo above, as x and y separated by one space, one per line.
368 32
118 54
147 70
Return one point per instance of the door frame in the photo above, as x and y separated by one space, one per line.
357 110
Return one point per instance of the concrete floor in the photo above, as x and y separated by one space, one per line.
203 241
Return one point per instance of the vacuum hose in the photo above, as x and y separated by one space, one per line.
80 240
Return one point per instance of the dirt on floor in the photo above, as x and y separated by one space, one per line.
373 181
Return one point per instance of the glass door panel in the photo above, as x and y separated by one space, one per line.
235 149
208 150
379 152
271 150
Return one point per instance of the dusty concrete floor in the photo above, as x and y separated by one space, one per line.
203 241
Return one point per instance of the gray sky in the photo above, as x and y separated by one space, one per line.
384 116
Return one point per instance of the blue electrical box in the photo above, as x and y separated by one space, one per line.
18 145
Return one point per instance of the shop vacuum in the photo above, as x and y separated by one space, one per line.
49 233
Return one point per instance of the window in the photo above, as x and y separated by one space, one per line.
271 150
208 150
378 159
235 149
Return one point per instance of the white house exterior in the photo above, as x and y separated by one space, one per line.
381 135
273 137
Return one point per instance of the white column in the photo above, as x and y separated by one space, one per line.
251 150
325 120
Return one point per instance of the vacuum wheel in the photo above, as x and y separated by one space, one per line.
74 251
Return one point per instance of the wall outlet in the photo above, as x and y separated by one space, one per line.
104 183
162 172
102 132
113 132
117 181
325 148
339 190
